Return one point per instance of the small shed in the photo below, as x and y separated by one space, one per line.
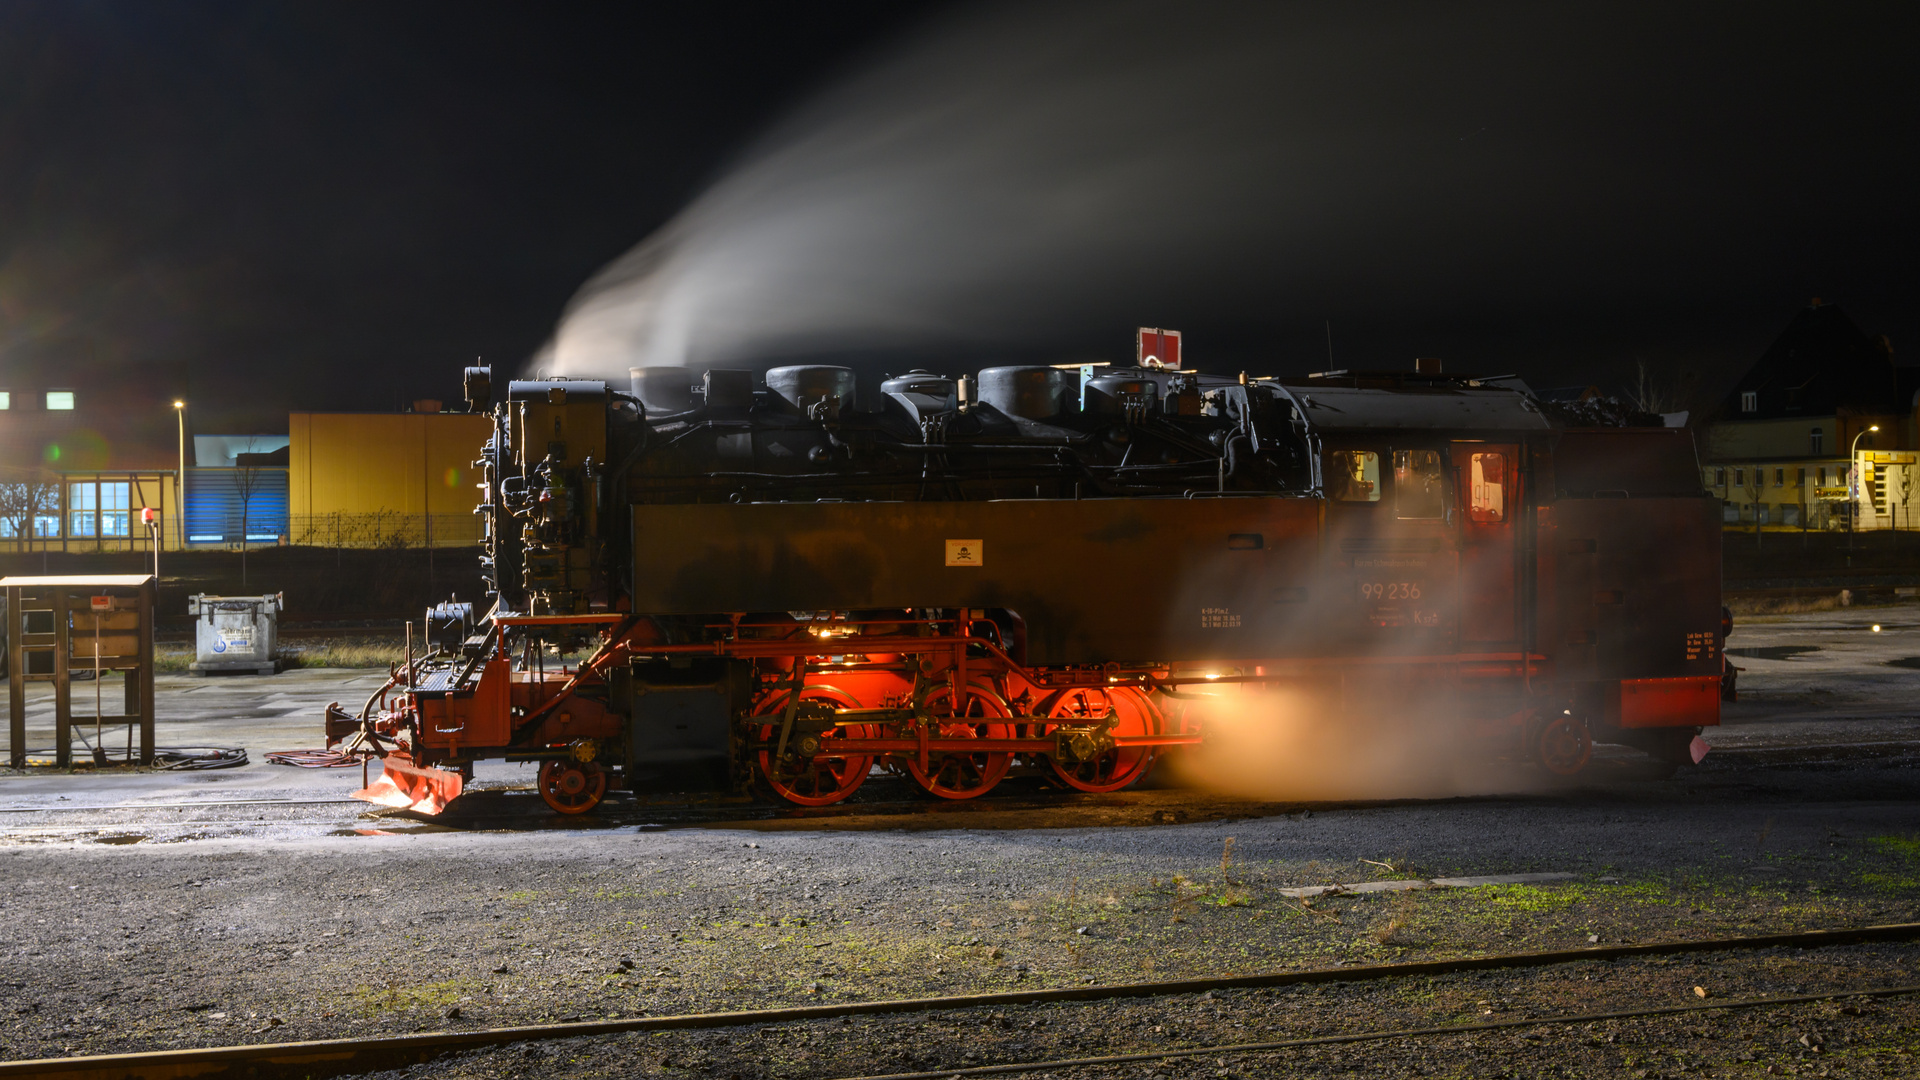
61 626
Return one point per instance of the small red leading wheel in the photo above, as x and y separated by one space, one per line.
957 775
572 787
1133 714
819 778
1563 745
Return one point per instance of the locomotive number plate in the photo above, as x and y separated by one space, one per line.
1371 591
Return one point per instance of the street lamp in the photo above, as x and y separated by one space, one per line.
1853 487
180 478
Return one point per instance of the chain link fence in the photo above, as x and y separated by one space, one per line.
385 529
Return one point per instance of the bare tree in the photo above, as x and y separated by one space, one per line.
1899 490
246 483
1756 483
1663 393
26 495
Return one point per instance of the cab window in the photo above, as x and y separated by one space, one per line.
1353 475
1489 491
1416 484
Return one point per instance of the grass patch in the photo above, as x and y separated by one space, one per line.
371 1000
304 653
1907 847
342 653
1780 605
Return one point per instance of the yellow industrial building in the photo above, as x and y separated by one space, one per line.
363 479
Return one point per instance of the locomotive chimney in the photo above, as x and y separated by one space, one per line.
1427 365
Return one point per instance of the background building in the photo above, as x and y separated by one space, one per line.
1780 446
332 479
79 464
372 479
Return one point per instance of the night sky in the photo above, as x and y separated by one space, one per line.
336 205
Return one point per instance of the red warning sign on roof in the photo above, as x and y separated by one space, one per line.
1157 348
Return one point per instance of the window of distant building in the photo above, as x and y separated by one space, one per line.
1779 478
114 500
82 504
1740 477
1749 401
1720 477
1816 439
1801 480
6 400
59 400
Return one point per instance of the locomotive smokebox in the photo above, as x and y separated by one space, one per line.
663 390
804 386
1031 393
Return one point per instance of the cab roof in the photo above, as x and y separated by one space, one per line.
1457 405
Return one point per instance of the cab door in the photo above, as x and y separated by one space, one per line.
1487 485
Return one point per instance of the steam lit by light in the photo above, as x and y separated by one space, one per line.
1275 742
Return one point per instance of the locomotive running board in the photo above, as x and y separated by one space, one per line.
406 786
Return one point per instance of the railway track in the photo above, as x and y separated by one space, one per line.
1227 1049
345 1057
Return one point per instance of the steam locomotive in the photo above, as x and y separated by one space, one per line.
724 584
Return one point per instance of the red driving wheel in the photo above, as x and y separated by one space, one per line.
1133 714
955 774
572 787
825 777
1563 745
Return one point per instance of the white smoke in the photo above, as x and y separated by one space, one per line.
1032 173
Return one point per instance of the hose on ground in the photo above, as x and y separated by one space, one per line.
317 759
173 758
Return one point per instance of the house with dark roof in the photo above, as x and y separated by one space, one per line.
1820 430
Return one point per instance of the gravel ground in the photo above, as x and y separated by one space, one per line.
148 928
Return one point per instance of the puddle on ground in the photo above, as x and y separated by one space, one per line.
1774 652
1909 662
120 838
397 830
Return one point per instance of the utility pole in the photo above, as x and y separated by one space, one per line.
1853 486
180 479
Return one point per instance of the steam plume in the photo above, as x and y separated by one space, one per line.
1041 175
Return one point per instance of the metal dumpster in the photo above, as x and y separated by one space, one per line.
235 633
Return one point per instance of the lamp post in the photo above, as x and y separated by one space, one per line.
180 478
1853 487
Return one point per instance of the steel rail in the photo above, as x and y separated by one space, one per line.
1391 1033
321 1058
